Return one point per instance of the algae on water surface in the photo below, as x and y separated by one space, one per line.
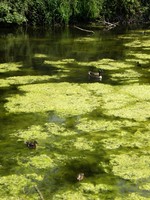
100 129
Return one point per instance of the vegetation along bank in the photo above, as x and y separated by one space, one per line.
64 12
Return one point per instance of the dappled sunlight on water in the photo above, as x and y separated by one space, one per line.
99 128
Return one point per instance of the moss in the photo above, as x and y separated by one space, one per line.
27 79
12 186
7 67
32 133
129 103
100 128
132 196
101 125
97 189
85 191
4 83
73 195
59 63
140 55
131 166
135 60
138 43
86 39
145 186
59 129
103 113
83 144
64 98
23 80
135 43
40 162
40 56
137 112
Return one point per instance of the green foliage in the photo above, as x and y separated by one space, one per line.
4 10
65 11
51 12
146 10
123 10
12 12
36 12
90 9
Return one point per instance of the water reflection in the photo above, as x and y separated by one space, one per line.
22 46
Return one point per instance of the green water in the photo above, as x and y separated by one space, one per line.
99 128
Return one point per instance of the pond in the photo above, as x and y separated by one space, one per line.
98 129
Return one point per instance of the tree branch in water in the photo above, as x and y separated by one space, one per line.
110 25
85 30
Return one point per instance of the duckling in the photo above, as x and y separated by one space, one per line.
80 176
138 64
31 145
96 75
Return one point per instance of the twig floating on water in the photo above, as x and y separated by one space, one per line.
85 30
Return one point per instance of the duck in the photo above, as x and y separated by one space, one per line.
31 145
80 176
138 64
96 75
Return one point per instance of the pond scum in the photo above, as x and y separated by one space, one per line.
99 129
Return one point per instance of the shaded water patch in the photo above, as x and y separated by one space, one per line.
89 167
53 117
126 187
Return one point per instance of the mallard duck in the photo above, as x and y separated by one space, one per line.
96 75
80 176
31 145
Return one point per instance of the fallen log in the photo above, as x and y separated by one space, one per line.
85 30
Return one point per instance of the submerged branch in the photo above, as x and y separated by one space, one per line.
85 30
40 194
107 25
110 25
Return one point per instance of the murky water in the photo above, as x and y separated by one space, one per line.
98 128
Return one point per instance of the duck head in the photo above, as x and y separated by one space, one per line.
100 71
80 176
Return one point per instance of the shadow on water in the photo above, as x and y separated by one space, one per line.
73 73
126 186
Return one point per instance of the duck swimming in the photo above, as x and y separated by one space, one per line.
138 64
80 176
31 145
96 75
